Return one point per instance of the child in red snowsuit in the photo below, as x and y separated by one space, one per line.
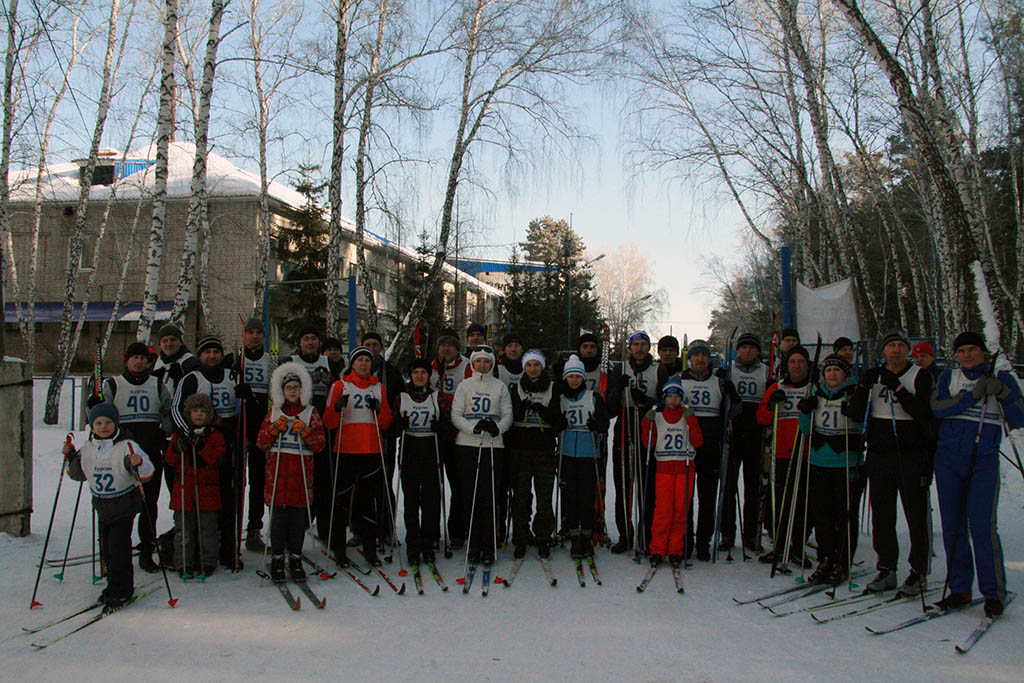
673 435
290 434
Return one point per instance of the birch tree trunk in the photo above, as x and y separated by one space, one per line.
11 16
336 242
197 190
164 131
65 349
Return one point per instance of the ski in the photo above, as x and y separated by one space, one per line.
548 573
828 604
578 563
318 602
511 576
793 589
103 613
593 570
417 579
873 607
981 629
359 582
323 572
389 582
647 579
485 587
467 580
678 578
293 602
437 576
793 597
920 619
68 617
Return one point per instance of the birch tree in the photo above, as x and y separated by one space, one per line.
164 132
511 58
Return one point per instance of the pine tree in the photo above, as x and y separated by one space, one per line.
302 247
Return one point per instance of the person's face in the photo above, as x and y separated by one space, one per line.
747 353
787 343
475 339
447 352
333 353
923 360
970 356
211 357
847 354
103 427
197 416
533 368
834 376
668 355
797 366
895 353
700 361
639 349
361 366
374 346
169 345
292 391
419 377
309 343
482 365
574 380
513 350
588 349
137 363
673 400
253 338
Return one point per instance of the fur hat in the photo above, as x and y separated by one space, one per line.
202 402
288 371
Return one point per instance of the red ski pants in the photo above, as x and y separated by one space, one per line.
673 493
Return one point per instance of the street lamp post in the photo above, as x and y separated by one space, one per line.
568 322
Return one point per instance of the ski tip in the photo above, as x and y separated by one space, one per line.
298 604
173 602
639 589
554 582
376 590
403 572
401 591
444 589
322 603
448 554
35 603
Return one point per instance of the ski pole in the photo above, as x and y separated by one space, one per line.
807 498
846 522
273 501
335 466
440 487
558 505
790 514
74 516
597 487
305 489
771 477
472 510
1009 437
891 395
199 524
184 523
49 529
398 498
494 520
387 495
171 600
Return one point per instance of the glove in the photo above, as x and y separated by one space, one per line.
592 425
720 373
478 427
280 424
530 405
807 405
244 392
889 379
730 389
199 431
489 427
435 426
778 396
402 420
372 403
320 375
94 400
298 426
227 361
869 377
184 443
995 387
844 408
340 404
660 408
978 390
639 397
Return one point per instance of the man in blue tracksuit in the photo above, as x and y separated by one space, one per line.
967 476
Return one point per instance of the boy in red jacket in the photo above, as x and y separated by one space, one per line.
195 497
291 433
673 435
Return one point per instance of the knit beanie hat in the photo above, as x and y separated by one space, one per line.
587 337
137 349
894 334
673 386
209 342
573 366
105 409
969 338
639 335
482 352
170 330
448 336
253 324
748 338
697 346
834 360
789 332
534 354
373 335
357 352
331 343
308 329
841 343
800 350
668 342
422 364
476 327
923 347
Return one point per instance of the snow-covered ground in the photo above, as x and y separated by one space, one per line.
235 627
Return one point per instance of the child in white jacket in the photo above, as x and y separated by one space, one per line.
482 412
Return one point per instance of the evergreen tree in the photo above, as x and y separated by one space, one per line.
413 279
302 248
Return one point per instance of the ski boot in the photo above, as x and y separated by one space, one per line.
656 560
520 551
277 569
543 549
295 568
675 560
253 542
885 580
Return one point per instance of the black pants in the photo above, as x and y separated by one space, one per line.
636 469
746 449
422 490
578 480
116 548
324 472
833 517
458 516
708 465
906 475
229 519
477 465
384 521
287 528
360 485
257 471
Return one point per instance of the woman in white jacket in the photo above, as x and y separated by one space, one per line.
482 412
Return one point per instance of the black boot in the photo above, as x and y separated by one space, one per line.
277 569
370 552
295 568
146 562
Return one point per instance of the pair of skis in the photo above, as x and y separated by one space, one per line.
517 563
467 580
578 562
677 577
793 589
295 602
101 613
964 646
418 578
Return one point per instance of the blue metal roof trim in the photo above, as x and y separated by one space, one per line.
476 266
98 311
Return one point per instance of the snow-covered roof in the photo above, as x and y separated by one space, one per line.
223 179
